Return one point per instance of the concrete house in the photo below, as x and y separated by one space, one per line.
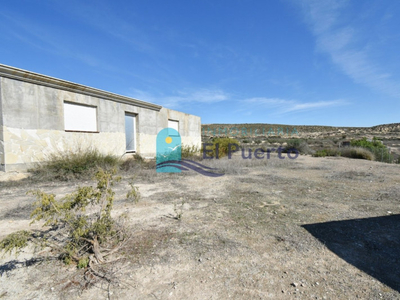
41 114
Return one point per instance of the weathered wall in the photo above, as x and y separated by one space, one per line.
23 147
33 124
2 167
189 126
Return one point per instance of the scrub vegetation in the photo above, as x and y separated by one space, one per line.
219 147
78 228
81 163
269 228
275 227
280 228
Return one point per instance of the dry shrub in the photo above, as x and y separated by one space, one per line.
238 165
327 152
78 228
74 164
357 152
134 162
190 152
223 147
300 145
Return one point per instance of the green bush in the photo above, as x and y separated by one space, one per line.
376 147
16 240
78 164
364 143
190 151
327 152
383 155
223 146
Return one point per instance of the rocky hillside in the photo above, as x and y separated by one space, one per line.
317 137
384 132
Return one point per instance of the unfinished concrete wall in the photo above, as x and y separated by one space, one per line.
33 124
2 166
189 126
32 116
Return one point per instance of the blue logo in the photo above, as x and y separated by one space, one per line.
169 149
169 153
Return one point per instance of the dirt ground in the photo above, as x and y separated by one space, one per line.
308 228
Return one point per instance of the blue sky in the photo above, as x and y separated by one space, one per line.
310 62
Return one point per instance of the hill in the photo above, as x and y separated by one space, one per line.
317 137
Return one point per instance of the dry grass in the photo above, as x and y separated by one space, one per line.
357 152
238 165
244 235
81 163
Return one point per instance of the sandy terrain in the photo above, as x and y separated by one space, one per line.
309 228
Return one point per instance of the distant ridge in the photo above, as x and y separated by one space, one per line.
384 128
384 131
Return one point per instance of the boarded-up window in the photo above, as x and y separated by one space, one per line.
79 117
173 124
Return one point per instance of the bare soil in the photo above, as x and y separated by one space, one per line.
308 228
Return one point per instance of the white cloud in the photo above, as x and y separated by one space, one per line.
341 42
282 106
314 105
182 97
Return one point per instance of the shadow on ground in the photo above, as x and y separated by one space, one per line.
14 264
372 245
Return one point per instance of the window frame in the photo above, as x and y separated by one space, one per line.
172 120
81 105
135 126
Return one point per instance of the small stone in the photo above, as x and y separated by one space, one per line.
317 283
294 284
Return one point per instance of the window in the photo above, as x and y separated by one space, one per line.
79 117
173 124
130 132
